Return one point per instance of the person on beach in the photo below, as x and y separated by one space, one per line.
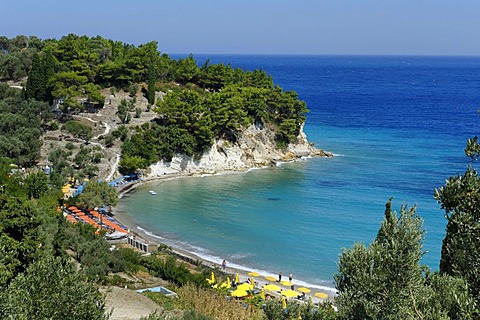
290 277
224 265
279 276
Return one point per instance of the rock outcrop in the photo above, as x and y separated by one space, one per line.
255 148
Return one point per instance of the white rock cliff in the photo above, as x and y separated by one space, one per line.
255 148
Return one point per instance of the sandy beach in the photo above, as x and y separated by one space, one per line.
231 268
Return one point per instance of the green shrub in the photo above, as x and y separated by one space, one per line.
138 112
193 315
78 130
169 270
110 140
133 89
70 146
54 126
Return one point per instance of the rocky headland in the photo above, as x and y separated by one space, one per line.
256 147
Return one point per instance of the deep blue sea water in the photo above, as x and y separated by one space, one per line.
397 126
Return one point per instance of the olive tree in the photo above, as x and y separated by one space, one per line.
460 198
385 280
51 289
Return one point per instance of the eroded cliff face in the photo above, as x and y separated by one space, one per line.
255 148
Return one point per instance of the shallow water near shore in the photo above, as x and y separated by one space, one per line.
398 127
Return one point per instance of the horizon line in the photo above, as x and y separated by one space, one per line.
329 54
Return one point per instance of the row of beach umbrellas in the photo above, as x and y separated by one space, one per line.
241 290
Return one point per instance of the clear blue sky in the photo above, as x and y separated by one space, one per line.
423 27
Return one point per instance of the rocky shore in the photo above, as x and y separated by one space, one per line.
256 147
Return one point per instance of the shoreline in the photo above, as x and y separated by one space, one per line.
207 260
232 268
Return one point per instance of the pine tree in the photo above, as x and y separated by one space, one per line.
49 72
36 87
151 85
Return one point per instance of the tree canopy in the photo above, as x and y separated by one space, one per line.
386 281
21 125
96 195
460 198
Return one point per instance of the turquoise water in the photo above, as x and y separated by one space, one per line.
397 126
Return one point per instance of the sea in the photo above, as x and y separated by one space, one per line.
397 126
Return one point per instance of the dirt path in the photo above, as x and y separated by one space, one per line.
128 304
114 168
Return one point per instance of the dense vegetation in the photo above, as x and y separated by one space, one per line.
21 126
50 269
191 119
201 104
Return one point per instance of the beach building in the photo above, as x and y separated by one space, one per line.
142 244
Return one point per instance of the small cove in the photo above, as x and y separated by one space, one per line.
398 127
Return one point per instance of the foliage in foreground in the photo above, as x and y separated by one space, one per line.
51 289
37 278
273 310
460 198
386 281
214 304
187 315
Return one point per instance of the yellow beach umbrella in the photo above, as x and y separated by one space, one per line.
237 279
321 295
225 284
305 290
262 294
270 278
284 303
286 283
211 280
244 286
253 283
253 274
290 293
239 293
271 287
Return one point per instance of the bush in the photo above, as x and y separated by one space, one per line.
54 126
133 89
78 130
121 132
169 270
208 302
110 140
193 315
138 112
124 259
70 146
118 281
